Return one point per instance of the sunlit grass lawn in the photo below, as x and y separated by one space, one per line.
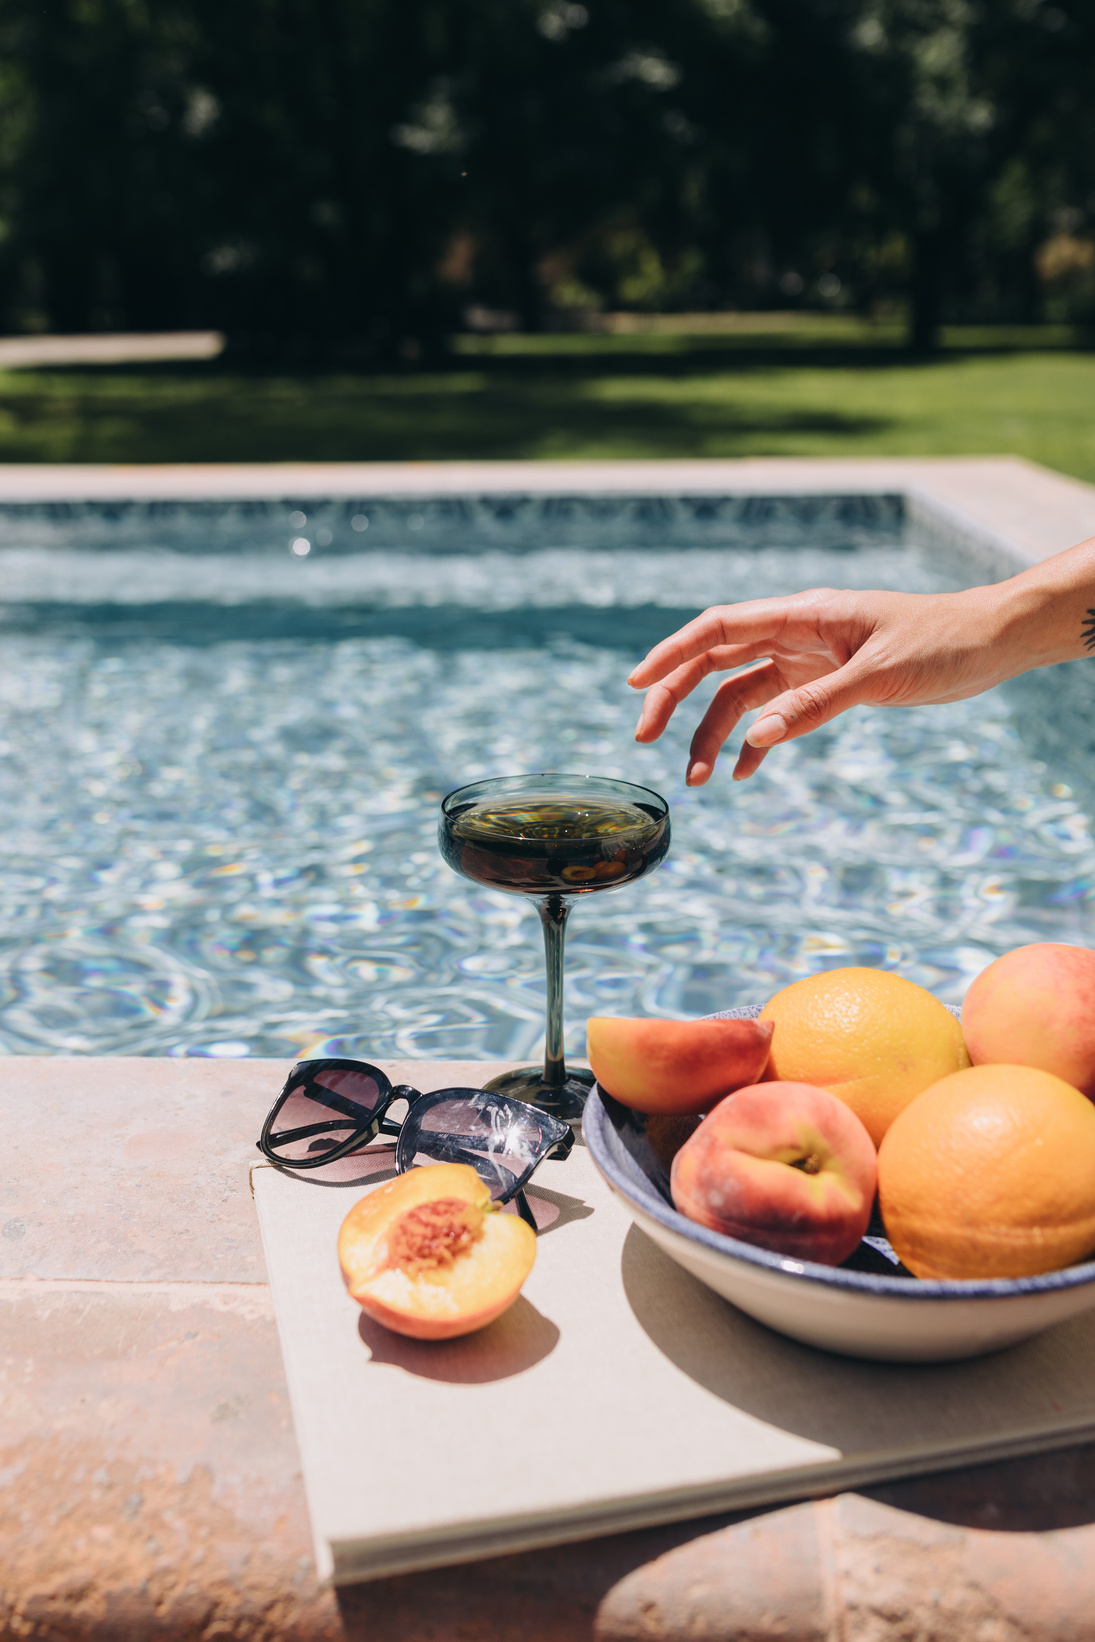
816 393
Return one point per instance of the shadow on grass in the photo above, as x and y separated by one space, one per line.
474 409
580 397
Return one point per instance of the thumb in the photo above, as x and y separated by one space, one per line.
797 712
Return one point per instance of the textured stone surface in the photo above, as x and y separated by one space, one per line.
149 1481
901 1576
855 1569
135 1170
764 1578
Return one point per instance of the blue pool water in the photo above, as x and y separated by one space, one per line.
225 730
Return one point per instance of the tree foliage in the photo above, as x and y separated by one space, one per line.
342 177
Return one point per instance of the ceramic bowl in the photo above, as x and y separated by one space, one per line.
869 1307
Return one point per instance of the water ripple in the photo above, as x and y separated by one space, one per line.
226 845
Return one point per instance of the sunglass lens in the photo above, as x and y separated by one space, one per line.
498 1137
323 1110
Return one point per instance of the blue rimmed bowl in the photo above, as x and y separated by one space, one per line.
885 1314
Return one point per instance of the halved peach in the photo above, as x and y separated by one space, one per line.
429 1255
676 1066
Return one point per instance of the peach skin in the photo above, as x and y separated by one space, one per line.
1036 1007
675 1066
783 1166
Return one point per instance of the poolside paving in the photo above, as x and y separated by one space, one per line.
149 1479
1024 511
108 348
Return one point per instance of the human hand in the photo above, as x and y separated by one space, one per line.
818 653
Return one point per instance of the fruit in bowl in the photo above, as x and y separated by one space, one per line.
877 1312
1035 1006
784 1166
991 1173
867 1035
681 1067
428 1255
991 1181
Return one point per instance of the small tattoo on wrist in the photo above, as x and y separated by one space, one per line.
1087 631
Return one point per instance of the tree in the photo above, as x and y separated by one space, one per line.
340 178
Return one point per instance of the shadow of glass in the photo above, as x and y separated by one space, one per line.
852 1405
517 1340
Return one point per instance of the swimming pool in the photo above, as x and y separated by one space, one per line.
226 728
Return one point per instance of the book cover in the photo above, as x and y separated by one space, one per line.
617 1392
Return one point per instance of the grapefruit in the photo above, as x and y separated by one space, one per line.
990 1173
868 1036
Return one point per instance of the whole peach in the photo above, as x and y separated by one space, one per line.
1036 1007
784 1166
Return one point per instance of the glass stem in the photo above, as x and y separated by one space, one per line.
554 910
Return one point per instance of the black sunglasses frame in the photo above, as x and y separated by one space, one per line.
302 1078
376 1122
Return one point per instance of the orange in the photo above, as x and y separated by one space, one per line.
866 1035
991 1173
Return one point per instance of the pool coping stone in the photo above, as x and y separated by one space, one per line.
1005 511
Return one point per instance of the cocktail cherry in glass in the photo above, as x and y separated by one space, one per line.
553 838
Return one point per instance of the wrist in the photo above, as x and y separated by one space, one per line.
1046 613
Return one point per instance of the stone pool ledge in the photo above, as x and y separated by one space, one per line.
1004 511
149 1480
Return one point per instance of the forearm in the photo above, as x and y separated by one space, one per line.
1047 614
806 658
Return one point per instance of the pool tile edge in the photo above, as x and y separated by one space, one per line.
1007 512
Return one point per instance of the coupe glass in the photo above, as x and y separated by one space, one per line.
553 838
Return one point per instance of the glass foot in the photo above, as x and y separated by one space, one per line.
562 1100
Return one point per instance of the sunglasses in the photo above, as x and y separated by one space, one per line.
330 1109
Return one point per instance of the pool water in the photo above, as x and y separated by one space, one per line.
222 752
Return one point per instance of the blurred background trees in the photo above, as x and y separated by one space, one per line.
357 179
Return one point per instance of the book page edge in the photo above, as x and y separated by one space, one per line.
351 1562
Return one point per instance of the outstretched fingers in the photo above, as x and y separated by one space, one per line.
799 711
749 761
737 696
664 697
746 627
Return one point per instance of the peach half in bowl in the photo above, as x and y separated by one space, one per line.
868 1307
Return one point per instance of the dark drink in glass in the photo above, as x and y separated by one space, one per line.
553 837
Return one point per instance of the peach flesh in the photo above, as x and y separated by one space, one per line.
680 1067
429 1256
784 1166
1036 1007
